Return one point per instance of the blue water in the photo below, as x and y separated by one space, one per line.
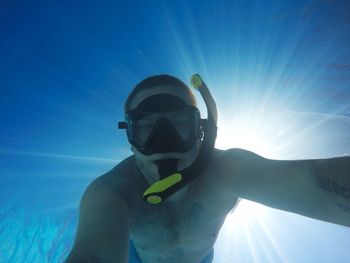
279 71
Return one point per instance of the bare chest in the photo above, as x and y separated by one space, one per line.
180 231
172 232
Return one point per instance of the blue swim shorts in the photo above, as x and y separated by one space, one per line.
134 257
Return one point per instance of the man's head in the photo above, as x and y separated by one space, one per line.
163 122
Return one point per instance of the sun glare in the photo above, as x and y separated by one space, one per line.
245 134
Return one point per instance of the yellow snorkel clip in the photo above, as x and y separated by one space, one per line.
152 194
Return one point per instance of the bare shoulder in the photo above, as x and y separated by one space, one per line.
229 158
236 153
235 170
109 188
224 167
105 189
118 177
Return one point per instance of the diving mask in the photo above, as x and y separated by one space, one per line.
173 126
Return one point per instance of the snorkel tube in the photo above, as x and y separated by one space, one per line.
174 181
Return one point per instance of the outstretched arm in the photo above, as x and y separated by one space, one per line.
318 189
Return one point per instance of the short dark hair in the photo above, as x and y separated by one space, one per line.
159 80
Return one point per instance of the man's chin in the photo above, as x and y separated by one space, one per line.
185 159
162 156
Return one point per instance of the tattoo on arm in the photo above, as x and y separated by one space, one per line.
333 175
333 187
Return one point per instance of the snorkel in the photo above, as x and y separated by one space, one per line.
172 180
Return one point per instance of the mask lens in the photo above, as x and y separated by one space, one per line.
185 123
143 123
142 128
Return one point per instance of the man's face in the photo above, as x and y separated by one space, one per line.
146 162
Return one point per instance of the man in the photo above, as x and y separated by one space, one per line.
168 201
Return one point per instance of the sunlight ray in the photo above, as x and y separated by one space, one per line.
56 155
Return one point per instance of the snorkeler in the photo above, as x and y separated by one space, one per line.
168 201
